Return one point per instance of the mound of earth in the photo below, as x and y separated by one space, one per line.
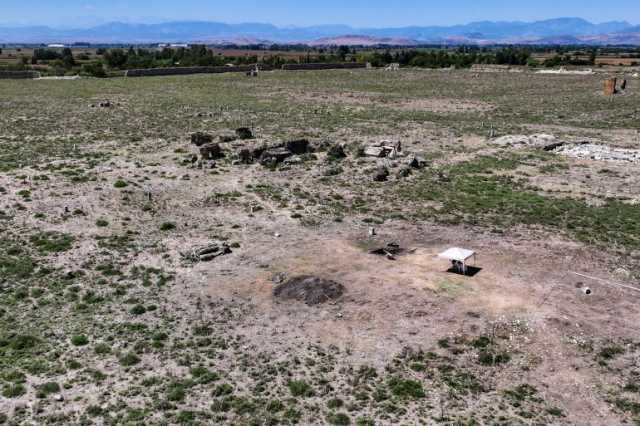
309 289
525 141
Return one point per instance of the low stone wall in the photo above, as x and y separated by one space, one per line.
337 66
18 75
496 68
190 70
148 72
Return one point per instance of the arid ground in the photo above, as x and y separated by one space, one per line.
108 317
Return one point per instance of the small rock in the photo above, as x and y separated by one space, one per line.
275 156
296 159
300 146
225 138
58 397
381 174
416 162
245 155
199 138
622 273
279 278
211 151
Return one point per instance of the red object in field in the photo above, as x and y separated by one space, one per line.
610 86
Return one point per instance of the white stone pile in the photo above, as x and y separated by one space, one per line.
600 153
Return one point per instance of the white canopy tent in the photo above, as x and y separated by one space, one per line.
459 257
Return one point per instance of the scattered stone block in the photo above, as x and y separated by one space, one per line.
211 151
199 138
300 146
274 156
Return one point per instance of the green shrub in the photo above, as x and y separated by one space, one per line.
221 406
79 340
52 242
129 359
176 392
21 266
418 366
610 352
300 388
72 364
102 349
13 390
120 184
94 69
443 343
222 390
186 417
491 358
135 415
481 342
335 403
25 193
275 406
628 406
168 226
203 375
405 388
243 406
292 415
365 421
47 389
138 310
20 343
15 376
101 223
95 411
339 419
520 393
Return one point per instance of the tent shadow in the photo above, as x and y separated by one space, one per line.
472 271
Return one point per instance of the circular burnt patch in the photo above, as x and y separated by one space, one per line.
309 289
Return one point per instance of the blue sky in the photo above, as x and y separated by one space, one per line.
364 13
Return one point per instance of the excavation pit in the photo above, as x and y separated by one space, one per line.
309 289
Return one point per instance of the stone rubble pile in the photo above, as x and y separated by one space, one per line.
599 153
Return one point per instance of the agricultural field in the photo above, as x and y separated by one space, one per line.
220 249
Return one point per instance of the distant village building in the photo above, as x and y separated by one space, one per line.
173 45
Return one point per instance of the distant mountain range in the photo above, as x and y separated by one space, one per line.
553 31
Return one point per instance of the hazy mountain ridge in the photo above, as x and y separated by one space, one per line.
569 29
